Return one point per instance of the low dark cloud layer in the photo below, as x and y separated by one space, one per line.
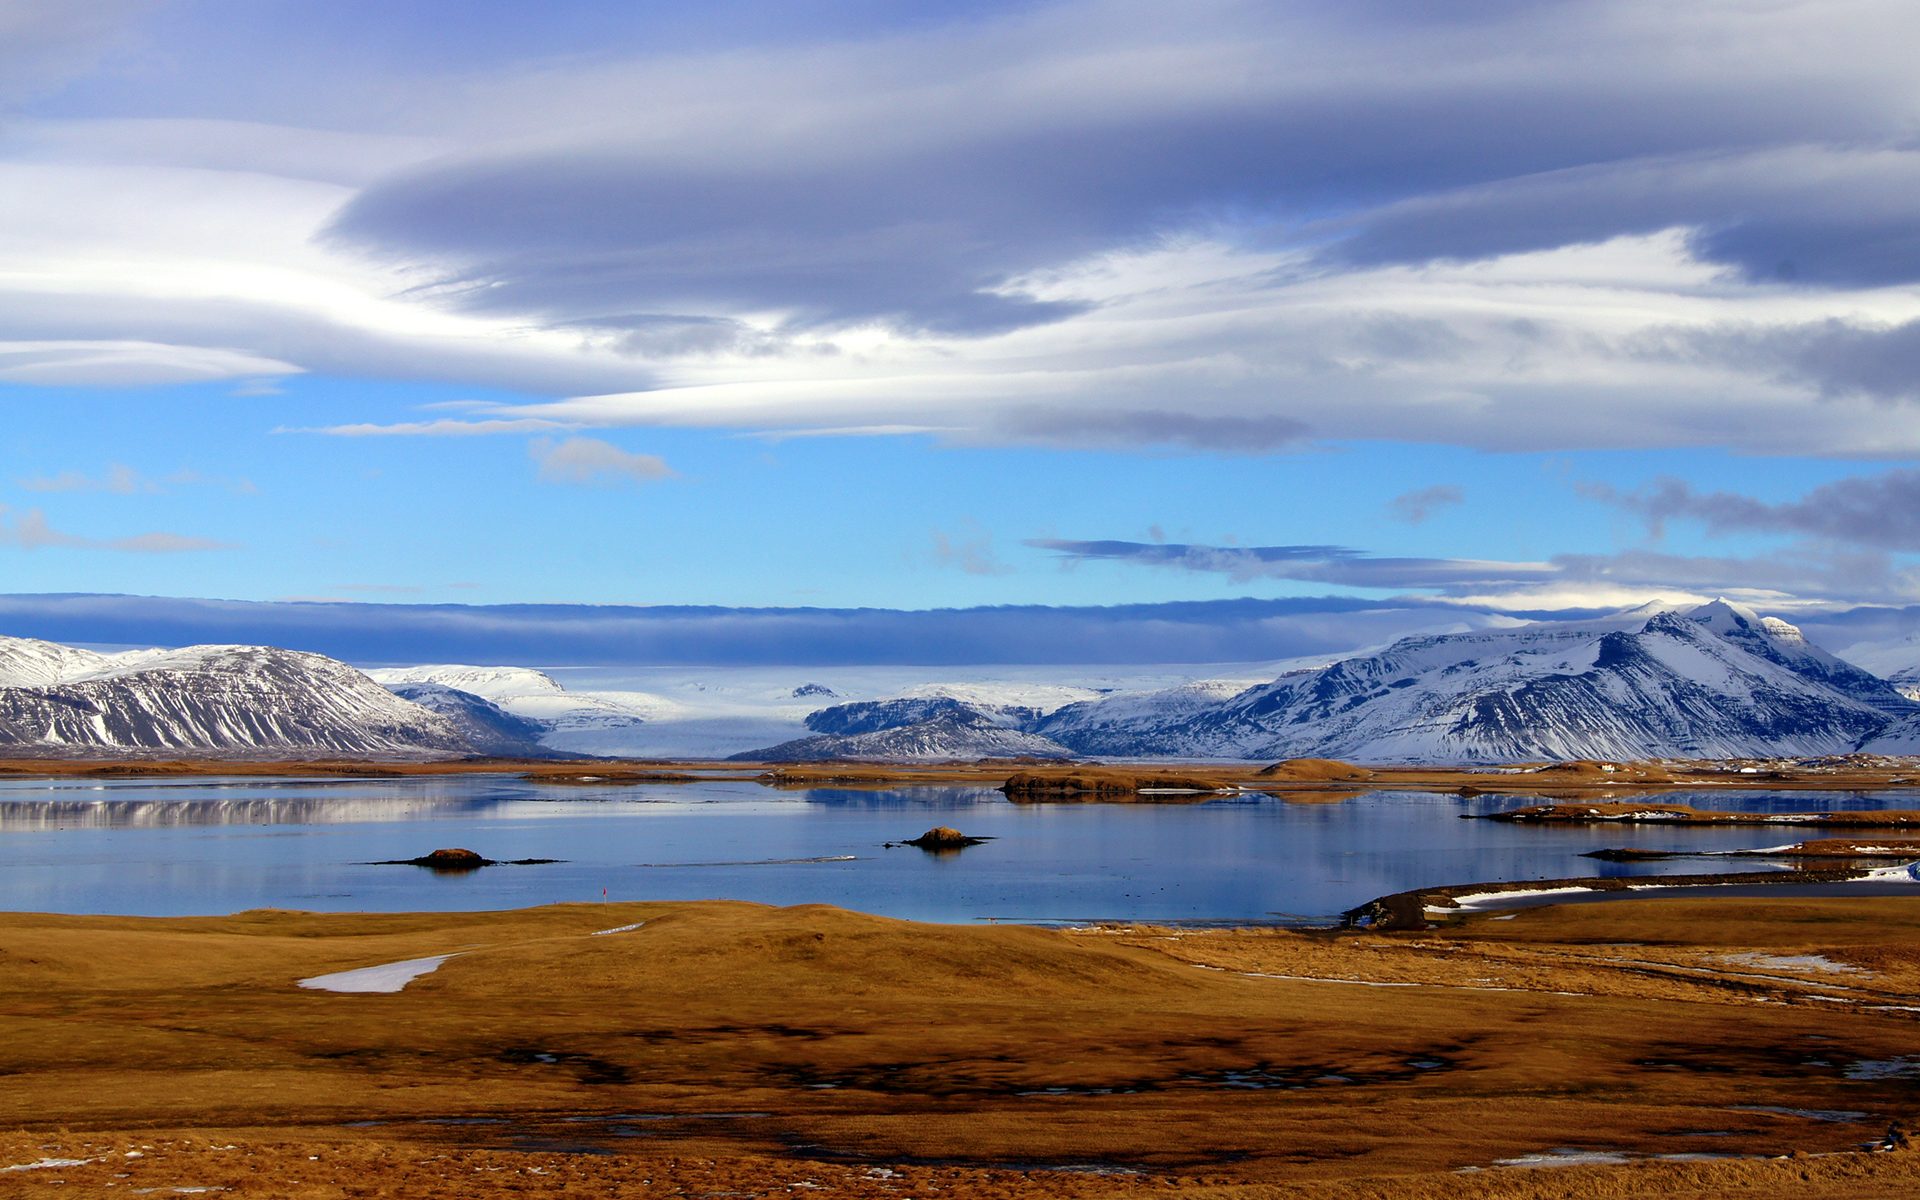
609 635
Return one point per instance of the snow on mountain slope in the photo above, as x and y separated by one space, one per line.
1901 737
576 722
871 716
1091 723
1706 683
1896 660
1778 642
492 683
483 725
1906 681
29 662
250 699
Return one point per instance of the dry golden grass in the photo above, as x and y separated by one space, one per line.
727 1047
1293 778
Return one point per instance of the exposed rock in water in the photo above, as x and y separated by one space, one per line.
455 861
943 837
451 859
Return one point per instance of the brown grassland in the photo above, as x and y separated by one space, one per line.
1305 778
728 1049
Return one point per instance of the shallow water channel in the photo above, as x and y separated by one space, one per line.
205 846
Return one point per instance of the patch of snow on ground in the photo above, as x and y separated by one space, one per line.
48 1164
1790 962
387 977
1479 900
1910 873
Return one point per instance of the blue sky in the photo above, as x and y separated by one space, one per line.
1519 307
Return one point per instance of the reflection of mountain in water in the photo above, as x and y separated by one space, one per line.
900 798
29 815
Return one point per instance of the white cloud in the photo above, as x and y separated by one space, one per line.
1096 222
581 460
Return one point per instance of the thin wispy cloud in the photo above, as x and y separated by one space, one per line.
1416 506
970 550
29 529
121 480
444 427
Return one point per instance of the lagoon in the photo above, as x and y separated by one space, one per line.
211 846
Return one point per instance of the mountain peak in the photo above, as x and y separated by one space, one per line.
1723 615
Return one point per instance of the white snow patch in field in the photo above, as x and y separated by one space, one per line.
1790 962
387 977
1910 873
1567 1157
617 929
48 1164
1517 895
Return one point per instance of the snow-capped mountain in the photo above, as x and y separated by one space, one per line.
1900 737
1714 681
952 731
1778 642
871 716
485 726
234 699
1676 687
1116 718
29 662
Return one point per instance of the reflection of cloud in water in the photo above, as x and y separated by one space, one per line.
41 815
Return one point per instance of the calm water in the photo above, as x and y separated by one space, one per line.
218 846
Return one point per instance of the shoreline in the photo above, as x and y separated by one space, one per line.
1115 781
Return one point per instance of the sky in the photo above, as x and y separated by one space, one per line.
1484 307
